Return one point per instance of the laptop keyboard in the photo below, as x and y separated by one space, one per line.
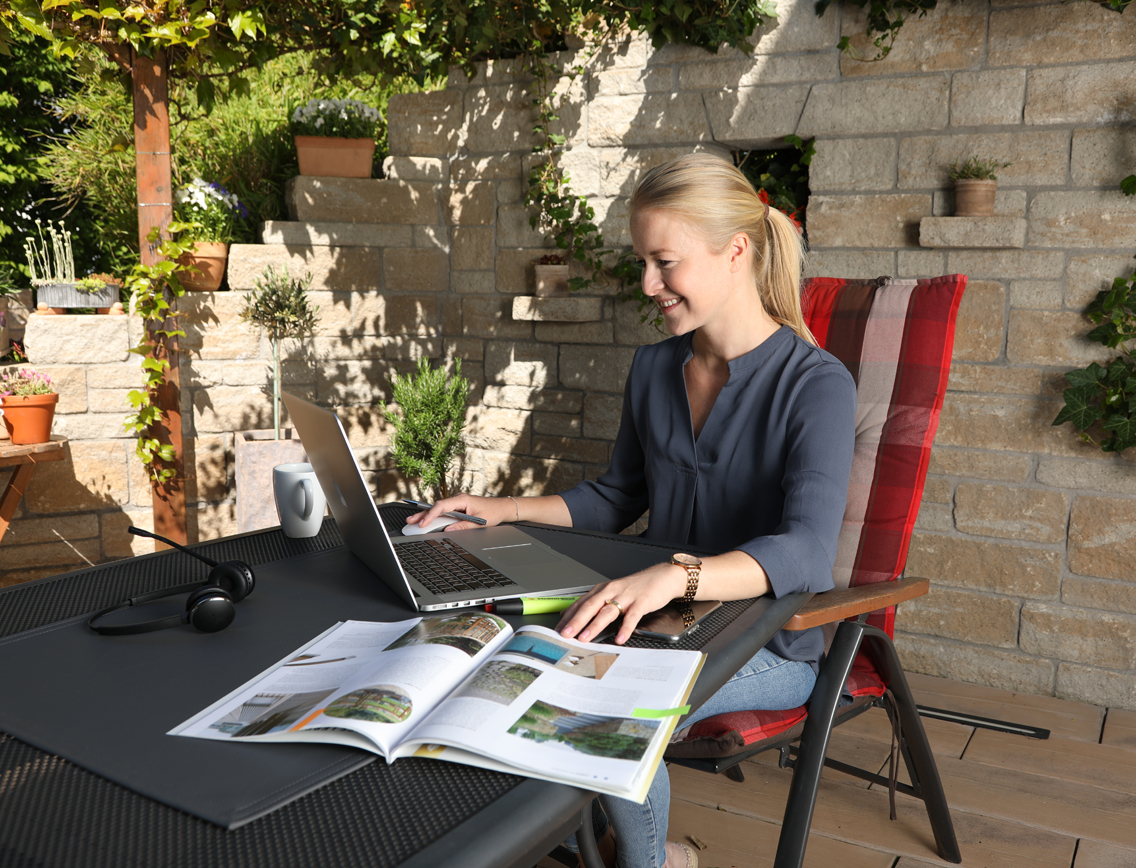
445 568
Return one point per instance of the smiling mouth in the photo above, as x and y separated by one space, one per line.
668 303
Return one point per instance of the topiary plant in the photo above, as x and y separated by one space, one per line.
429 432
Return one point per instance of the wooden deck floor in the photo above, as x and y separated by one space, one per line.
1065 802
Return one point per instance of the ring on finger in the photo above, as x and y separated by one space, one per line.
614 603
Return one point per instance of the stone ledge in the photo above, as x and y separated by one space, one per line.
551 309
295 233
990 232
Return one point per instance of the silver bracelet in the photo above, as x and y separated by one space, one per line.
516 506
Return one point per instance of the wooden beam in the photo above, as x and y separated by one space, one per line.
848 603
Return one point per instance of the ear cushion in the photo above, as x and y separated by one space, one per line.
234 577
210 609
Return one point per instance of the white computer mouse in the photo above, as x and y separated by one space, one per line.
439 523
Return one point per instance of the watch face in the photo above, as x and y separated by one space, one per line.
686 560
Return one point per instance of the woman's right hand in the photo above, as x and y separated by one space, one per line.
495 510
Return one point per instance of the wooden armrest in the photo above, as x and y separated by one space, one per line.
850 602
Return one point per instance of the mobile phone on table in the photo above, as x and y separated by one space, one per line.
675 620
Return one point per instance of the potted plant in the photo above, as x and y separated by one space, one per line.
209 210
279 304
28 401
975 185
52 266
429 432
551 275
335 137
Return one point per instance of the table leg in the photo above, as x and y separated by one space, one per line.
17 485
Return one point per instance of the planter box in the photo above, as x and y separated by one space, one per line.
335 158
66 295
551 280
257 453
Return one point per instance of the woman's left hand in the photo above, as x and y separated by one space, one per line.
637 595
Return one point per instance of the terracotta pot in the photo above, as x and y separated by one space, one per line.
974 197
551 279
335 158
210 258
257 453
66 295
28 418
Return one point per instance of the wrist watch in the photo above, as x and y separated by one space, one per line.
693 567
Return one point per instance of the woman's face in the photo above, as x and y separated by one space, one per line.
692 285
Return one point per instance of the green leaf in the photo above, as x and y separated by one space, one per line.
1078 410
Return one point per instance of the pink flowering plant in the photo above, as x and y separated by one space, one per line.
25 382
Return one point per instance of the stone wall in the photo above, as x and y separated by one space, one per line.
1027 534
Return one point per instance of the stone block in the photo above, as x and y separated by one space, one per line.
1003 264
853 164
1088 275
416 270
633 326
574 332
972 232
760 69
602 414
581 167
59 555
1079 635
515 270
1072 94
296 234
571 449
125 375
1113 477
425 124
1058 33
849 263
1003 669
1051 337
1102 156
500 119
843 108
432 238
472 248
417 169
979 465
991 97
70 381
212 520
1102 537
528 476
227 338
613 216
623 52
533 398
1096 685
621 82
109 400
981 322
474 282
514 230
93 476
557 424
117 542
920 263
887 220
344 269
361 200
997 379
595 368
558 309
367 427
974 618
91 426
621 168
344 382
1013 570
949 37
935 517
748 116
213 464
1037 158
937 490
1008 423
378 314
471 204
411 349
647 119
492 317
30 531
510 192
1035 514
1037 294
1099 594
488 167
525 365
1082 219
499 429
72 339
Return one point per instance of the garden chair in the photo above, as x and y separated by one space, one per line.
896 337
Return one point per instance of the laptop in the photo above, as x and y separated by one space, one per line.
437 570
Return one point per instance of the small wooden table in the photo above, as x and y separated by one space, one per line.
24 459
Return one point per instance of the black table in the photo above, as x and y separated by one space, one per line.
416 813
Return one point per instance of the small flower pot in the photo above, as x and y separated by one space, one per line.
65 295
28 418
210 258
974 197
551 280
335 158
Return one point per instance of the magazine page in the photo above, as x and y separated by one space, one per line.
361 678
598 716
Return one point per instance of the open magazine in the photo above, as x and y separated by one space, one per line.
465 687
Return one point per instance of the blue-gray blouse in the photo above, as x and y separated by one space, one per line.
768 474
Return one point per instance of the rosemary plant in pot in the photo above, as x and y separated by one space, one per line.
52 266
429 426
28 401
279 304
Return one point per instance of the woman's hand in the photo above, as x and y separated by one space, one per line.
637 595
494 510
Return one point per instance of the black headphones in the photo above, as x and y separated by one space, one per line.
209 608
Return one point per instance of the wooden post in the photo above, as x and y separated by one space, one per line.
155 208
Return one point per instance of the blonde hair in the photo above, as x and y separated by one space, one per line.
719 202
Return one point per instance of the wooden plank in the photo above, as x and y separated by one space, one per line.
1094 854
1062 717
1066 759
834 606
36 453
733 840
860 816
1120 729
862 753
947 739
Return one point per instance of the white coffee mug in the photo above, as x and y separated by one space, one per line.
299 499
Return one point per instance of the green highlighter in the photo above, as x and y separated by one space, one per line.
531 605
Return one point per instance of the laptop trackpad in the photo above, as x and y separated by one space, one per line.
524 555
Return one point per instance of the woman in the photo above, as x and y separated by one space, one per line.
736 435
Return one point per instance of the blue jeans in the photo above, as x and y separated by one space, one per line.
765 682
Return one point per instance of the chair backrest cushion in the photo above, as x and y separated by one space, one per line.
896 338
